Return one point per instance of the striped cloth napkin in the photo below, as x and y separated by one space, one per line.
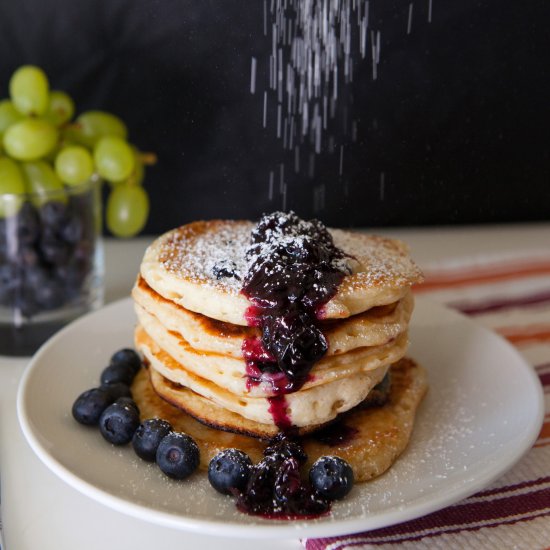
510 295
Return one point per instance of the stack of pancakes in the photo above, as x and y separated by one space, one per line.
193 327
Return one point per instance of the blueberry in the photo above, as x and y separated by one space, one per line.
49 294
178 455
28 227
259 489
118 422
288 487
8 283
117 373
282 447
225 268
148 437
84 251
89 405
71 230
117 390
36 275
52 214
229 470
27 257
54 250
331 477
128 401
72 276
127 357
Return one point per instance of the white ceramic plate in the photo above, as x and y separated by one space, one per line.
483 411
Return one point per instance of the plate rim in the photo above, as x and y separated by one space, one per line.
279 529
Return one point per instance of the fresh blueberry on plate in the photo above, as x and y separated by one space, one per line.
128 401
127 357
118 422
117 373
229 470
178 455
89 405
148 436
117 390
332 477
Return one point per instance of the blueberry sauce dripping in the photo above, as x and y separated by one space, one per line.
276 489
294 270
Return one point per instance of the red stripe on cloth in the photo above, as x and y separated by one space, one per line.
513 487
544 431
490 306
524 335
503 509
470 276
545 379
363 539
462 515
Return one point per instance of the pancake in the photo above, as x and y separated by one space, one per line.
380 434
374 327
210 414
184 266
233 374
303 408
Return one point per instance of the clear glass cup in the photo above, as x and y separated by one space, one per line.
51 263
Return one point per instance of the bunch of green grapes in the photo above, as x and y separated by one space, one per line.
43 150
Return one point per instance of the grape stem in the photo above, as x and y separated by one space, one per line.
148 159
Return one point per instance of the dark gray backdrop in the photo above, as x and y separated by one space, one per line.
457 121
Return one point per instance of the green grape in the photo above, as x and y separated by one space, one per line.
138 173
29 90
114 158
8 115
12 187
43 182
30 139
93 125
60 108
74 165
127 210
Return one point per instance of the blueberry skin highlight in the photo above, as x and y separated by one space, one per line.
128 401
118 422
148 436
229 470
332 477
178 455
89 406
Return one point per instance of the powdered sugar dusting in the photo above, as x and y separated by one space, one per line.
219 253
211 253
377 261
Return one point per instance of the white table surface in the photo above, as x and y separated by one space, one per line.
41 511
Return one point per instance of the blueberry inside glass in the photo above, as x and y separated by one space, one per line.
50 263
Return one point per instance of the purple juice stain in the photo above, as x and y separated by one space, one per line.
336 434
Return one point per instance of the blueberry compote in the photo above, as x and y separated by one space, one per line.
294 270
275 488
